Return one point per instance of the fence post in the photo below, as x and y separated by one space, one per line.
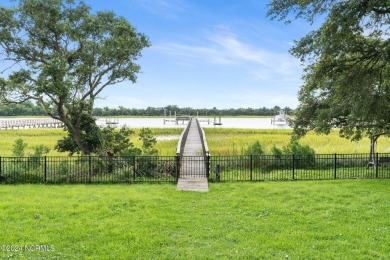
1 166
376 165
218 173
134 167
89 169
251 166
293 166
208 166
335 165
45 168
177 167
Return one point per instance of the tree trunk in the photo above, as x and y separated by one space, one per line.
75 132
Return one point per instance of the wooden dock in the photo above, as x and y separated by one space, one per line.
178 119
193 173
30 123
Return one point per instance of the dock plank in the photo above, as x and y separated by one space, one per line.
193 166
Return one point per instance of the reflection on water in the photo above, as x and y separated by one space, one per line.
230 122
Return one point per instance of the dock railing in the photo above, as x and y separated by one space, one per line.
182 140
205 147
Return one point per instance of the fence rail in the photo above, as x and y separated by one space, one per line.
88 169
298 167
91 169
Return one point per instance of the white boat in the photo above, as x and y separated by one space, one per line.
280 119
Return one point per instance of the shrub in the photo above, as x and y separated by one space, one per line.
40 150
298 149
304 154
148 142
19 147
277 152
254 149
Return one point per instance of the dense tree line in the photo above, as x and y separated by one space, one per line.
30 109
23 109
173 109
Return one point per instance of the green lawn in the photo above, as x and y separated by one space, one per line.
348 219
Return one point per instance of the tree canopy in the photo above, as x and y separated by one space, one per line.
346 65
62 55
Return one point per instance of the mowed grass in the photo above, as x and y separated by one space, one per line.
234 141
346 219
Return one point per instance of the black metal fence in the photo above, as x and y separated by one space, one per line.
299 167
91 169
88 169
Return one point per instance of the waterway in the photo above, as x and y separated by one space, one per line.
229 122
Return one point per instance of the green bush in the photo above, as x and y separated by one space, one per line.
303 154
298 149
255 149
19 147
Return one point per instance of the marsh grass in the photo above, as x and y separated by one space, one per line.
221 141
33 138
49 138
234 141
346 219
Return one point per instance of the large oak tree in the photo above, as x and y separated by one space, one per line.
346 65
62 55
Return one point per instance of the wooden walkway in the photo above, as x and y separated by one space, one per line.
29 123
193 167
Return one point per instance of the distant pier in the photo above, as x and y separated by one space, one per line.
178 119
30 123
183 119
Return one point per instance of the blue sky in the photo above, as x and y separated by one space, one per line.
208 53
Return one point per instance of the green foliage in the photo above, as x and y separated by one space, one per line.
19 147
27 108
303 154
276 151
255 149
347 66
68 56
89 135
148 142
296 148
107 141
117 142
173 109
40 150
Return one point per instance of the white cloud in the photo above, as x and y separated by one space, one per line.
225 49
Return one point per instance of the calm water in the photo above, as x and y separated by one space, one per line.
232 122
247 123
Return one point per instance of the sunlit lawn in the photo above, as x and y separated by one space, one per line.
346 219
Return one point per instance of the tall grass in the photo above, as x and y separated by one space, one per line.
234 141
33 137
49 138
221 141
